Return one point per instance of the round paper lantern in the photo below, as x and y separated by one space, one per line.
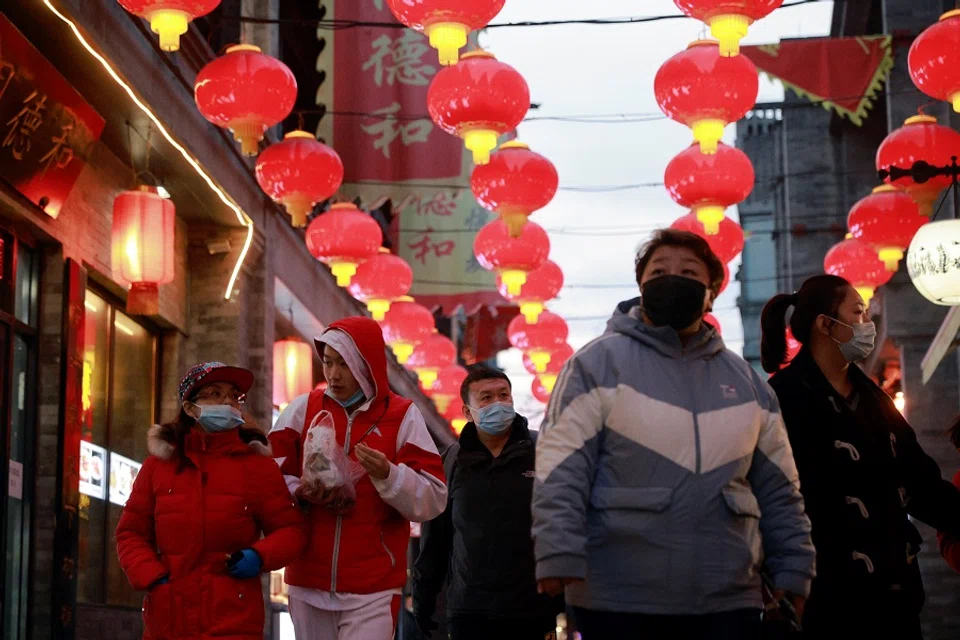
446 22
247 92
405 326
142 239
430 356
516 183
479 99
920 138
856 262
292 370
512 258
381 280
169 19
706 92
887 220
539 391
728 19
558 358
711 320
539 340
934 59
454 415
343 238
727 243
298 173
447 386
708 184
933 262
543 284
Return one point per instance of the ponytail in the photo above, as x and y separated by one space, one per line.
773 326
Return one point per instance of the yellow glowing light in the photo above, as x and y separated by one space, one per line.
891 257
710 216
531 311
403 351
458 424
514 279
244 219
169 24
447 38
378 308
708 133
729 29
549 381
344 271
900 401
540 360
427 377
481 142
955 99
866 293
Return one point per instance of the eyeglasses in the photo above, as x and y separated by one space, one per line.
220 396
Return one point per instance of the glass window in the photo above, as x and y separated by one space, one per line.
25 304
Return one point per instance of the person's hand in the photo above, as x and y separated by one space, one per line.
374 462
555 586
797 602
244 564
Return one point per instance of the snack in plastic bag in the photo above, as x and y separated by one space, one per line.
329 477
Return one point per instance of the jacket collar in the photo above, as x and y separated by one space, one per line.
470 440
162 442
628 320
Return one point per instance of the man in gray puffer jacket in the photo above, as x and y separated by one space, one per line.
664 474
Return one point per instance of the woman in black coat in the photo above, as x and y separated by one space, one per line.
862 471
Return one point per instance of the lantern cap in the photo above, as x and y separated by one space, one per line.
405 299
704 42
343 206
515 144
383 250
243 47
146 188
299 133
479 53
885 188
920 119
950 14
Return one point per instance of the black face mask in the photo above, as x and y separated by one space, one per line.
673 301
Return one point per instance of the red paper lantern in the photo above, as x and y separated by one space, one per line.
920 138
706 92
247 92
727 243
406 325
887 220
708 184
298 173
454 415
479 99
711 320
381 280
856 262
543 284
516 183
447 386
558 358
728 19
446 22
170 19
934 59
539 340
142 239
430 356
343 238
512 258
292 370
539 391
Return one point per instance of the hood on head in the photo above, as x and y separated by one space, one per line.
627 319
360 341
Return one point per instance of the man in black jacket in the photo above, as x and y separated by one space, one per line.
481 544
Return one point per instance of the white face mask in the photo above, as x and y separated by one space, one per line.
861 345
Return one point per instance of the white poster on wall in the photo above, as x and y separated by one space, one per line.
123 471
93 465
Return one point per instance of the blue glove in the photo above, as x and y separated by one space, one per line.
245 564
163 580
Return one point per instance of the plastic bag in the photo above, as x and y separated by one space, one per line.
329 477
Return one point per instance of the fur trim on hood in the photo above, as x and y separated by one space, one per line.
162 441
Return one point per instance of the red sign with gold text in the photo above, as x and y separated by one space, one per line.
46 127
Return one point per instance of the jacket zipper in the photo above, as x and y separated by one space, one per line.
336 535
697 480
383 543
203 491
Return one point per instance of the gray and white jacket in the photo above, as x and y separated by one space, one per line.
665 477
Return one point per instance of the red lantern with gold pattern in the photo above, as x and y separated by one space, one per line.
539 391
405 326
706 92
430 356
292 370
142 239
543 284
298 173
934 59
727 243
446 22
169 19
381 280
344 238
708 184
856 262
558 358
516 183
447 386
512 258
479 99
539 340
887 220
728 19
247 92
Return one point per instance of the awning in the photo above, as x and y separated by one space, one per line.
942 344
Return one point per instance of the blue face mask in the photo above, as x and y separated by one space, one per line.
494 419
216 418
349 402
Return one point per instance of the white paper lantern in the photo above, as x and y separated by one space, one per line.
933 262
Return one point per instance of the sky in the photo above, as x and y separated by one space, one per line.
603 76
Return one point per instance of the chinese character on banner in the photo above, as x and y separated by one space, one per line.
425 246
60 153
440 205
400 60
389 128
7 71
24 124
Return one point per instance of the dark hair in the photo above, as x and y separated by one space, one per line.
819 295
477 374
180 427
691 241
954 432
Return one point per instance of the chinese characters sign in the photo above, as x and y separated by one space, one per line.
46 127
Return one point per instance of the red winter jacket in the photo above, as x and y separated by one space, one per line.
949 545
364 550
183 524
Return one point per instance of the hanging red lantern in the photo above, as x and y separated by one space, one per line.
539 391
711 320
543 284
247 92
887 220
142 239
706 92
292 370
343 238
934 59
539 340
728 19
512 258
169 19
479 99
558 358
454 415
920 138
430 356
381 280
516 183
446 22
298 173
708 184
406 325
447 386
857 263
727 243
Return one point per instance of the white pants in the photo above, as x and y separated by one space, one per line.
374 621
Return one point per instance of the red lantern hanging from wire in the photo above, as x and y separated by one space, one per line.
479 99
430 356
934 59
516 183
447 23
857 262
540 391
406 325
169 19
292 370
381 280
543 284
728 20
887 220
539 340
726 244
558 358
142 239
447 386
343 238
708 184
706 92
512 258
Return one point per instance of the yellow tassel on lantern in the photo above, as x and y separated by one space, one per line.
378 308
169 24
481 142
549 381
403 351
891 257
515 223
531 311
708 133
458 424
866 293
344 271
447 38
442 401
514 279
729 29
710 216
540 360
427 377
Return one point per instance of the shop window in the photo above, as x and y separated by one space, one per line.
119 405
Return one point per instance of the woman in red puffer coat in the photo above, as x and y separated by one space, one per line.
190 534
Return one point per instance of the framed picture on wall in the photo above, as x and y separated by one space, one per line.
123 471
93 468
